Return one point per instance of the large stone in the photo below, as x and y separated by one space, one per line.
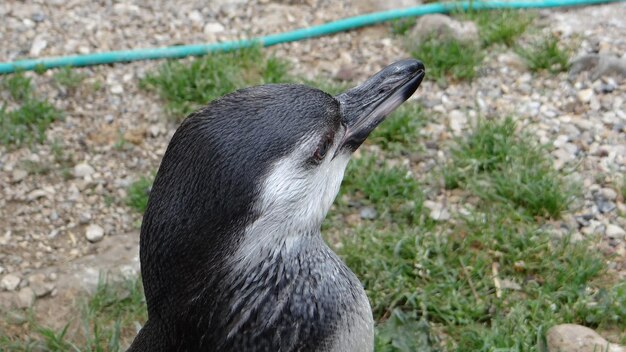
600 65
25 298
94 233
614 231
577 338
442 27
10 282
83 170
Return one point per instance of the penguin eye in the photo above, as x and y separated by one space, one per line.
323 147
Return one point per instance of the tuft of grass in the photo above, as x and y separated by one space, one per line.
401 26
449 59
498 163
185 86
448 280
545 55
399 133
27 124
18 85
138 193
69 78
106 322
391 190
500 27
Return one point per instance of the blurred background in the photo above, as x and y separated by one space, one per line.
486 212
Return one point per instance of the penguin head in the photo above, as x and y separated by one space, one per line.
271 155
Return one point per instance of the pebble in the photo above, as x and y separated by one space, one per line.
94 233
614 231
438 211
38 45
608 193
18 175
213 28
10 282
83 170
577 338
585 95
368 213
41 288
25 298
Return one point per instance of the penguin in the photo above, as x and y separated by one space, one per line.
232 257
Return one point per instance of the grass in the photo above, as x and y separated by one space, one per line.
545 55
448 281
187 86
399 133
500 27
27 121
449 58
138 193
105 322
500 163
69 78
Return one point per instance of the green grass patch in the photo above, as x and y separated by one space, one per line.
186 86
27 124
18 85
502 164
401 26
399 133
545 55
138 193
391 190
28 118
69 78
448 59
448 280
500 27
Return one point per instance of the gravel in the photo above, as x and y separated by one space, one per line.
61 215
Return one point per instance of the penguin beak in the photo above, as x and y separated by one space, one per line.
364 107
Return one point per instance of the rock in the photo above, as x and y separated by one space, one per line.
37 46
195 16
513 61
94 233
18 175
585 95
125 9
83 170
41 288
600 65
154 131
213 28
368 213
437 211
605 206
84 218
608 193
36 194
458 121
117 89
577 338
614 231
10 282
25 298
442 27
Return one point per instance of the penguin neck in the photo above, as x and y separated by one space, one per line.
271 239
